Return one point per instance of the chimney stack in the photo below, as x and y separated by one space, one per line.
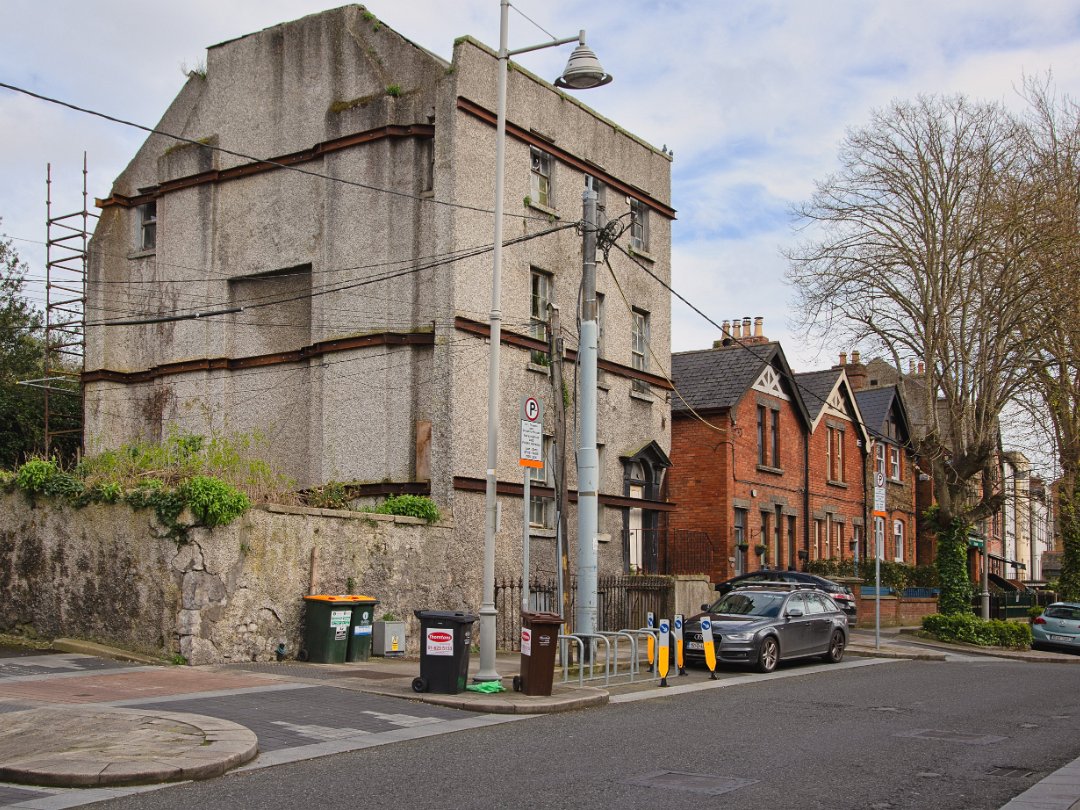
843 358
856 372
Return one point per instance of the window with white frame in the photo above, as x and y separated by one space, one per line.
541 288
895 468
835 454
147 238
879 458
898 540
541 178
639 225
879 538
639 345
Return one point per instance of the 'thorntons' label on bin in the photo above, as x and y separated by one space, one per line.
526 641
439 641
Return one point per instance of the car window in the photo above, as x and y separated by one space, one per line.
1062 612
796 602
749 603
814 605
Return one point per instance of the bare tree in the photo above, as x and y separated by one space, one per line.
1052 128
919 247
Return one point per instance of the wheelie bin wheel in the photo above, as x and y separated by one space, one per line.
517 683
419 685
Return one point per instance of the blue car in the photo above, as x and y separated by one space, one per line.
1057 627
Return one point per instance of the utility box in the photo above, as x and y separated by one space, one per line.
388 639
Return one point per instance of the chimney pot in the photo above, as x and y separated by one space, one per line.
759 323
855 358
922 368
746 325
910 366
725 328
843 358
736 329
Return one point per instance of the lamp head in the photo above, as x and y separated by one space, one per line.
583 70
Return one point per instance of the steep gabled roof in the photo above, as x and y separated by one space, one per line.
818 387
717 379
876 404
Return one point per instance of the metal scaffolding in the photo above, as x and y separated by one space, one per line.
67 236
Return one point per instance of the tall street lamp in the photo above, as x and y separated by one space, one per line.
582 72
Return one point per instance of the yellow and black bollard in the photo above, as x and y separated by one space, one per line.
710 647
680 662
663 652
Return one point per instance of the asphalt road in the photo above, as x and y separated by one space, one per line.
902 734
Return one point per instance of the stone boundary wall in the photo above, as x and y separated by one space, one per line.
105 573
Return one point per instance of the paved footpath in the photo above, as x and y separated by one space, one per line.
78 727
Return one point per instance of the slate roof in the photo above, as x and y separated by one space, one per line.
874 405
708 379
815 388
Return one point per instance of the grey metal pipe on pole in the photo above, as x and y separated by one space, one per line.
587 456
487 671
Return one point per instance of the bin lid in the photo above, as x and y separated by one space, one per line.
542 618
347 598
446 615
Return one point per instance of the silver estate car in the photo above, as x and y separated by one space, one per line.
769 622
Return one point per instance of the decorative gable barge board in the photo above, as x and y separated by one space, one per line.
466 484
524 342
271 164
515 131
234 363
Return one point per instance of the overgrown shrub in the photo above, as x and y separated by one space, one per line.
214 502
35 474
970 628
416 506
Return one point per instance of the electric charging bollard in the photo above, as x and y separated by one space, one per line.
650 622
680 662
710 647
663 652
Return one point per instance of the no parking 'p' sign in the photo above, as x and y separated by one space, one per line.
532 433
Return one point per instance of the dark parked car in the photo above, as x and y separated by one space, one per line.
767 623
842 594
1058 626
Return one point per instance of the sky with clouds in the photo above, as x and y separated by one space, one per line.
753 96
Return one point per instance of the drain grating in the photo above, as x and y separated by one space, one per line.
1011 771
703 783
952 736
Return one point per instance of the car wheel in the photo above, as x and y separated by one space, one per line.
836 648
769 655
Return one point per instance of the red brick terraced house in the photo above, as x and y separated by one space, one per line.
738 447
837 465
886 420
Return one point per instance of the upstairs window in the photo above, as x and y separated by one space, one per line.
835 453
147 238
775 445
541 286
894 463
761 437
639 225
541 178
542 508
639 346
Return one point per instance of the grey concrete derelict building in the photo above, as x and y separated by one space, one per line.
359 348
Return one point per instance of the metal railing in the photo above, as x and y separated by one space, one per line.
672 552
622 601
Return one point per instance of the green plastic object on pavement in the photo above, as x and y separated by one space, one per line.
486 686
